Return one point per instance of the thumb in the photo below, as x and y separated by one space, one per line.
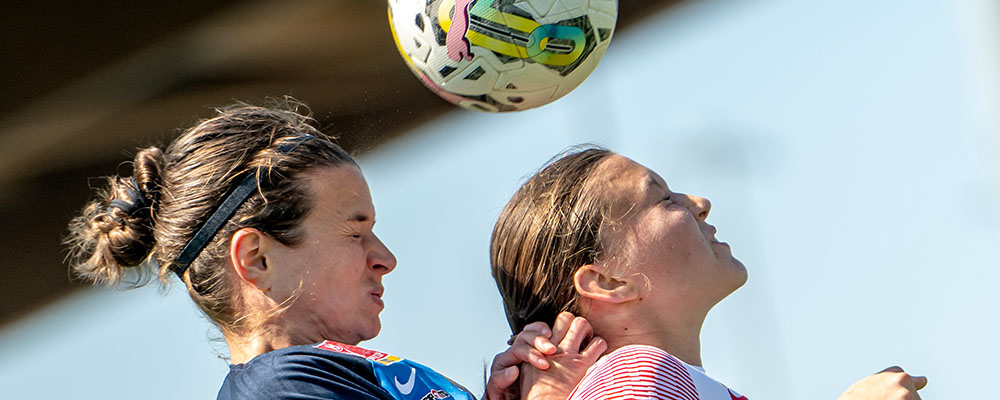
499 381
919 382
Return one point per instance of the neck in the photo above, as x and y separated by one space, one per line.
245 348
625 324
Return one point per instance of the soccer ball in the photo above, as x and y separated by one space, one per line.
502 55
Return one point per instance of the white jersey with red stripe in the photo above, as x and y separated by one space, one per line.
647 372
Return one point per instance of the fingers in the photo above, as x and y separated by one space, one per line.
504 378
909 382
543 345
894 368
579 331
535 335
499 381
530 345
539 327
531 356
504 360
890 383
518 353
533 343
561 326
595 348
905 379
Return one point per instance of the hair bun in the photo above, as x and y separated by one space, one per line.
115 232
137 200
146 174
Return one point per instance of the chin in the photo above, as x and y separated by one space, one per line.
741 275
372 332
734 275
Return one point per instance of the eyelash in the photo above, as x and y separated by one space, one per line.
358 235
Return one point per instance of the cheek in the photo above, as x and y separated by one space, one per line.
675 240
332 269
341 256
675 229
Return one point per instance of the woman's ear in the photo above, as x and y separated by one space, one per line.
593 282
247 251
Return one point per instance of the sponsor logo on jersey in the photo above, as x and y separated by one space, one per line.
436 395
406 388
376 356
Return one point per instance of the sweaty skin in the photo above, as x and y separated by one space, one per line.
458 45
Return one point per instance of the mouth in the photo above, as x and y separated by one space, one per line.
376 296
710 236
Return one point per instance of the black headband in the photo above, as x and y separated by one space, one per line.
226 209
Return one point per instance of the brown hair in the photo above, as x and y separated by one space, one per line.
549 228
139 224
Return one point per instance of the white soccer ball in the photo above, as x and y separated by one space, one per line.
502 55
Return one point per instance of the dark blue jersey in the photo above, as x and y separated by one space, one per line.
331 370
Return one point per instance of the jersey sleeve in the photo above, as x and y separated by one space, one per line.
637 372
302 377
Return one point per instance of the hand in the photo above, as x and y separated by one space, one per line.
890 384
568 365
531 345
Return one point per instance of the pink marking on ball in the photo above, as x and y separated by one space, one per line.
458 46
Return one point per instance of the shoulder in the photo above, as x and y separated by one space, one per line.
637 372
302 373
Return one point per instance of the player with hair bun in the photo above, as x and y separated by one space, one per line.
268 223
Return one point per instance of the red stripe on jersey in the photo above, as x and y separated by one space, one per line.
637 372
643 389
655 361
660 362
638 379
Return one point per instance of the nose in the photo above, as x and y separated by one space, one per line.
699 206
380 259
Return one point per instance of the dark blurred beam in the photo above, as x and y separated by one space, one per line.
47 44
114 77
341 48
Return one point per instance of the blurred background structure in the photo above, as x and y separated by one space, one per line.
84 84
850 149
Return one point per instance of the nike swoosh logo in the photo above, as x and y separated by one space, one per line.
406 388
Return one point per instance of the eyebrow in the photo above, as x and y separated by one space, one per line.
652 182
359 217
